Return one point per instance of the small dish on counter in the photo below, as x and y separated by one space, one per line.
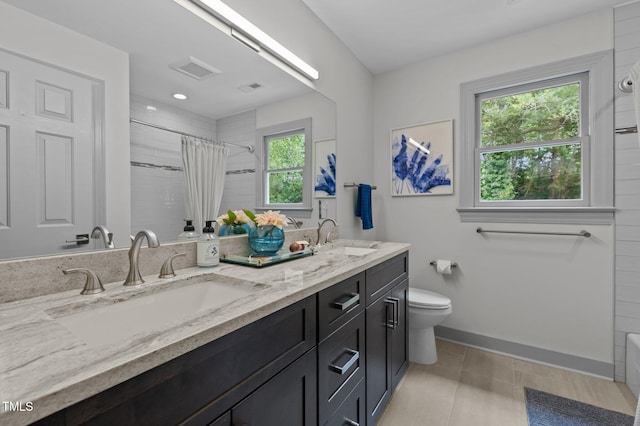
258 261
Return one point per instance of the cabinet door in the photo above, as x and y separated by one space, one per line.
378 356
288 399
399 335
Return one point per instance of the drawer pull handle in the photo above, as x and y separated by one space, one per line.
343 305
394 302
350 422
355 355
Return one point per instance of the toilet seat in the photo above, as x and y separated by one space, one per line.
419 298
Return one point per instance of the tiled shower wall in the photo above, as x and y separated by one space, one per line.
627 196
240 182
157 181
157 201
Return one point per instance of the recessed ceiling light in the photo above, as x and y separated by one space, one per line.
151 108
180 96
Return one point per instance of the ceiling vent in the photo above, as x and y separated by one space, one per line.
195 68
249 87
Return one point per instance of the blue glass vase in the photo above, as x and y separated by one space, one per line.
266 240
238 229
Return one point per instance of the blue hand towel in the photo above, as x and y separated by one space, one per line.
363 205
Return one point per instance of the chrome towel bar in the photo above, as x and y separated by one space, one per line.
582 233
355 185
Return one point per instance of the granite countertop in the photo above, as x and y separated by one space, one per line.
45 364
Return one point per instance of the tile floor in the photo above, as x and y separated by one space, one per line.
469 386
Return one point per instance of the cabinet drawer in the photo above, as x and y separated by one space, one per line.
382 277
352 411
339 303
341 365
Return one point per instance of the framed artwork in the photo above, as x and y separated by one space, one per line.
324 169
422 159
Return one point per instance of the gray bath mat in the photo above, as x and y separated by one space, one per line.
545 409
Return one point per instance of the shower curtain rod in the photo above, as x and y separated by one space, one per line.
250 148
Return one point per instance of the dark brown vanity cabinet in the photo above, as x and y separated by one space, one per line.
269 364
363 343
341 359
386 332
333 358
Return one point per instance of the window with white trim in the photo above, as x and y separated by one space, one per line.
537 144
285 168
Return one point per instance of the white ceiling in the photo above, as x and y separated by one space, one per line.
157 33
386 35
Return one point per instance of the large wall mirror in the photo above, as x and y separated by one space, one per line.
231 92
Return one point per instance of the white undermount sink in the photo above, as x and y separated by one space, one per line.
150 313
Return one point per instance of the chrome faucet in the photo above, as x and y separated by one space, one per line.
134 277
107 237
321 224
295 223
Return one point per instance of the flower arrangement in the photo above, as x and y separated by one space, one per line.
236 217
270 218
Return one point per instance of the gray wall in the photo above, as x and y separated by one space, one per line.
627 240
548 292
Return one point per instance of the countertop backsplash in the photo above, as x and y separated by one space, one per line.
38 276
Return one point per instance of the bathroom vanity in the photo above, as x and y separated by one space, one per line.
320 340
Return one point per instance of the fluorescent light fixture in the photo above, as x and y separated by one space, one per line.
239 23
180 96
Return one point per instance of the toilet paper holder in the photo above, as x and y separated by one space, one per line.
434 263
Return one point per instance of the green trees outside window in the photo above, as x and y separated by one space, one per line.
530 147
285 165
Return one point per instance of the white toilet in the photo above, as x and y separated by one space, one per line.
426 310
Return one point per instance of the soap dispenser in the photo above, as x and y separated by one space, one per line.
208 247
189 233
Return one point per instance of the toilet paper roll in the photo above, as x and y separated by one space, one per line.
443 267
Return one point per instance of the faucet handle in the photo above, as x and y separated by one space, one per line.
167 267
92 285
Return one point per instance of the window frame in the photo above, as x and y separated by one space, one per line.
263 136
596 136
582 138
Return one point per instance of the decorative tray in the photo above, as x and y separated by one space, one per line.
260 261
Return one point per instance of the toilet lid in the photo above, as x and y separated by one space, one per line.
427 299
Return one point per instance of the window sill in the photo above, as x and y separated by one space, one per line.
298 212
569 215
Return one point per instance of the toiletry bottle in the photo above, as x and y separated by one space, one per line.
189 233
208 247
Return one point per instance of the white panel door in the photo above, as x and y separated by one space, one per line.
46 158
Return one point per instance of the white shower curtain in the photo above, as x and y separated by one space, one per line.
204 171
634 76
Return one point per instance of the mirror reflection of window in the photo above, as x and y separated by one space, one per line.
285 167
